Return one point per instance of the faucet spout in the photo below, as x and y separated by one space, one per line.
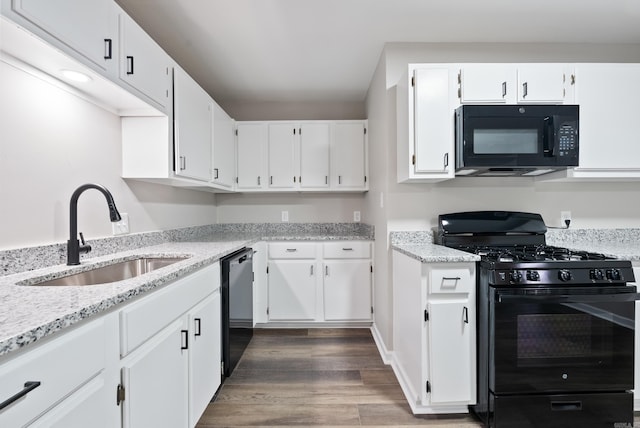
73 245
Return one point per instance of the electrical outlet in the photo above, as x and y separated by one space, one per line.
285 216
356 216
564 216
121 227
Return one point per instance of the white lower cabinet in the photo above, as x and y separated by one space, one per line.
319 282
434 326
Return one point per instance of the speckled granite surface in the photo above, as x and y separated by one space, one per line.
419 245
619 243
28 313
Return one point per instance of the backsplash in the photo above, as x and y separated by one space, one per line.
30 258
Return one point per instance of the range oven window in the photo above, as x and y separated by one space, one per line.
505 141
561 346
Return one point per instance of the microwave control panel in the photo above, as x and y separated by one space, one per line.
567 140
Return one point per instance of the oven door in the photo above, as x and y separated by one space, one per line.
562 339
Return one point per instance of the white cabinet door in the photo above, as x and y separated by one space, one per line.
449 329
486 83
89 27
251 155
542 83
314 155
143 64
223 161
155 379
193 120
204 355
433 137
282 170
348 156
292 290
347 290
607 95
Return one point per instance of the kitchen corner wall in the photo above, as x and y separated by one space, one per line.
393 207
51 142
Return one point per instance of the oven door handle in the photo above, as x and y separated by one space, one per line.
568 298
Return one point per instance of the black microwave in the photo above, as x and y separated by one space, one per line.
504 140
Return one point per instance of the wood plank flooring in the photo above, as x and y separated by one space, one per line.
316 377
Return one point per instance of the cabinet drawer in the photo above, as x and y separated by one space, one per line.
347 250
141 320
61 366
293 250
454 280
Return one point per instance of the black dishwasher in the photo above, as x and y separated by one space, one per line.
237 306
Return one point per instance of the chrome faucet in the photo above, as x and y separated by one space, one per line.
73 245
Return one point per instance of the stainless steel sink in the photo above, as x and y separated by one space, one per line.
115 272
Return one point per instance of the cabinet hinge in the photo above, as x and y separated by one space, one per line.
236 132
222 367
365 130
371 309
428 387
237 180
267 269
413 81
413 159
573 79
426 315
460 93
460 77
371 268
119 394
365 178
267 311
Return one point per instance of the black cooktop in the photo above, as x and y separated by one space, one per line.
530 253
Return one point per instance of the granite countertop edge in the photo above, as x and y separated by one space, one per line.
37 312
433 253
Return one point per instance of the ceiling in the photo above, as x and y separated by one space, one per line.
327 50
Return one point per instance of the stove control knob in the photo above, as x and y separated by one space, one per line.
613 274
564 275
515 276
533 275
596 274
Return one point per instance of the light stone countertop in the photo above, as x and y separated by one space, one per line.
432 253
29 313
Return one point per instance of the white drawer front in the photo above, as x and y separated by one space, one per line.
141 320
455 280
292 250
347 250
61 366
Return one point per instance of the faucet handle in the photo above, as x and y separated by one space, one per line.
84 248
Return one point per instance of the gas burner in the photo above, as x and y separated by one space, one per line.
531 253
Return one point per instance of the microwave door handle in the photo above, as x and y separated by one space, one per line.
549 137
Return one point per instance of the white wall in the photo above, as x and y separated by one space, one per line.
50 143
282 110
416 206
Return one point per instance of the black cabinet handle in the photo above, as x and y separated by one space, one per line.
107 48
129 65
504 89
28 387
465 315
525 90
198 326
185 339
215 173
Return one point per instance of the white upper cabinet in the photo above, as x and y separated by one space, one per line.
609 141
425 123
251 156
224 171
88 27
143 64
314 155
282 155
193 123
349 156
515 83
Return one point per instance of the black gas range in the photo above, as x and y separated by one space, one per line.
555 326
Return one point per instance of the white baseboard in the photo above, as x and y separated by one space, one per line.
387 356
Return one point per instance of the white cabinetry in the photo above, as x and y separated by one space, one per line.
425 124
434 334
65 377
347 281
515 83
302 156
143 64
193 127
170 343
292 275
224 162
88 28
319 282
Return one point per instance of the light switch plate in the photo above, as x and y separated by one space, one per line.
121 227
285 216
356 216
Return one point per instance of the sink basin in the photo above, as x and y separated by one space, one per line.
115 272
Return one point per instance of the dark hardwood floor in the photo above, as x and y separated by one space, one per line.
316 377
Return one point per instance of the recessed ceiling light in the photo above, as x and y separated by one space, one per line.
76 76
